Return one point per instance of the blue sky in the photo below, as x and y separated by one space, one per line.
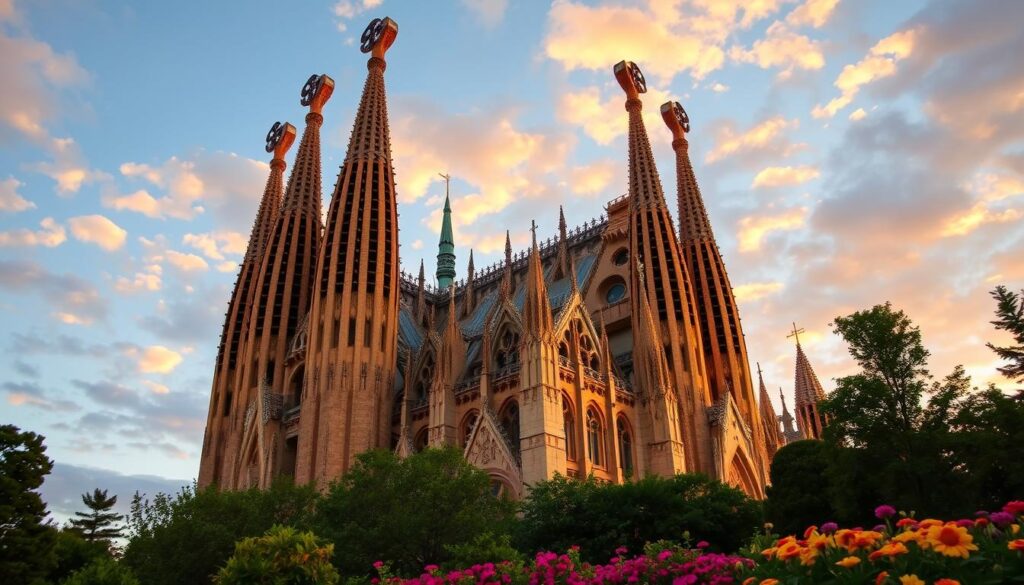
849 152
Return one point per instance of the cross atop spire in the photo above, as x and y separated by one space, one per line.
446 244
796 333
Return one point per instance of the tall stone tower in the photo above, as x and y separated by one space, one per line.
769 421
808 394
232 347
725 350
446 244
281 301
354 319
653 243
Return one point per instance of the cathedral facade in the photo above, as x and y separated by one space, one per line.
612 349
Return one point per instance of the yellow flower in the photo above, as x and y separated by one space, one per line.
910 536
911 580
924 524
849 562
951 540
789 550
1017 544
807 556
1015 528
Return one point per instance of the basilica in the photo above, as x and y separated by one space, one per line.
613 348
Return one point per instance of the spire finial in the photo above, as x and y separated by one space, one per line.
796 333
508 248
378 36
533 229
471 269
279 139
315 93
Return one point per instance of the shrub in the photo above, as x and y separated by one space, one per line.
799 494
102 571
281 556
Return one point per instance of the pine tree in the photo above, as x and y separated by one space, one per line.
99 524
26 542
1010 318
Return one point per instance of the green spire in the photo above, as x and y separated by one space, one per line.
446 245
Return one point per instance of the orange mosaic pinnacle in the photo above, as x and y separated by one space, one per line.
329 349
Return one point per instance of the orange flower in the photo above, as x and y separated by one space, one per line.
890 550
776 582
849 562
845 537
867 539
1016 544
881 578
910 536
930 522
911 580
947 582
905 522
818 541
749 580
788 550
951 540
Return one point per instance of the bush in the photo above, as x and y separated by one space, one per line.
73 552
486 548
799 494
408 510
102 571
186 538
281 556
598 517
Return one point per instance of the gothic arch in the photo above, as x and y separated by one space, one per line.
469 421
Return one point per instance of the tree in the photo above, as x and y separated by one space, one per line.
799 494
282 555
408 511
103 571
600 517
73 552
1010 318
100 524
26 543
185 538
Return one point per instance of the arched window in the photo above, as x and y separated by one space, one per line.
625 446
510 425
420 442
595 437
507 353
468 422
569 426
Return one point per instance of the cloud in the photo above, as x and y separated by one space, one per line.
785 176
155 359
812 13
488 12
763 135
858 115
62 490
755 290
594 178
719 87
214 245
148 280
51 235
754 229
345 10
71 299
10 200
32 395
783 49
188 319
97 229
604 118
186 262
990 192
25 369
879 63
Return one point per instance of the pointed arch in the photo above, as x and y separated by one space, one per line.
626 445
569 428
508 420
596 450
469 422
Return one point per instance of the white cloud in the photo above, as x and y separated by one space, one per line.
346 10
155 359
783 49
812 13
488 12
186 262
10 200
97 229
755 228
214 245
785 176
762 134
858 115
880 62
51 235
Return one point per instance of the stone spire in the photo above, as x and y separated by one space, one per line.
506 277
789 432
562 260
354 332
808 393
421 300
721 332
653 243
537 319
469 298
446 244
222 407
450 362
769 421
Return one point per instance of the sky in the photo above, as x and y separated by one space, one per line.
850 153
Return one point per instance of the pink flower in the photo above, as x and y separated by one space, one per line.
1001 518
378 565
1015 507
703 544
884 511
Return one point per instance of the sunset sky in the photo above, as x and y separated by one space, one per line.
850 153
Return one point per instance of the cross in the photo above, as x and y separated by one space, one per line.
796 333
447 182
533 228
758 369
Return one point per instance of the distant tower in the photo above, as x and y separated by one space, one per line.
769 421
725 351
222 405
352 351
789 432
808 392
653 242
446 245
282 299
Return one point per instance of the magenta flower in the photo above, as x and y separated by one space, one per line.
829 527
703 544
1001 519
884 511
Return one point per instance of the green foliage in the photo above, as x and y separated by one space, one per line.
282 556
599 517
1010 318
72 552
799 494
99 524
103 571
485 548
26 543
185 538
941 448
408 510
